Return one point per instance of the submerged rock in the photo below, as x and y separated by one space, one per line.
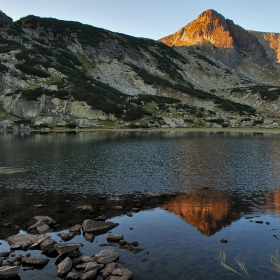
97 227
107 256
9 271
64 267
123 272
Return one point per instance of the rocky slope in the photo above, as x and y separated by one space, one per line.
212 73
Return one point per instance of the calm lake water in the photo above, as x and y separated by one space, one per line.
211 186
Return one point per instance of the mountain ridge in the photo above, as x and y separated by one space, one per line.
59 73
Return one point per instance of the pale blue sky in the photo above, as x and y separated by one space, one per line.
149 18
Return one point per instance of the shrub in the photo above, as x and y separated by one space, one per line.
32 70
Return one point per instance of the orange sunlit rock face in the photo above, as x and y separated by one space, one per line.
205 209
209 27
273 204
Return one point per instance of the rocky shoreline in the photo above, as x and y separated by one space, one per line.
71 263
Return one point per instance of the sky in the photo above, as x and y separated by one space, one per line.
152 19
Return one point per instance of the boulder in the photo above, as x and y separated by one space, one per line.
107 256
67 236
64 267
107 270
43 228
72 276
89 237
64 248
35 261
114 237
76 228
123 272
48 245
97 227
86 259
89 275
9 271
92 266
26 240
84 208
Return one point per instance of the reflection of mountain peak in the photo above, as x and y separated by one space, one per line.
205 209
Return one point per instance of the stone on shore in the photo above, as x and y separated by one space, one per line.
9 271
42 220
64 267
84 208
43 228
114 237
97 227
64 248
107 256
35 261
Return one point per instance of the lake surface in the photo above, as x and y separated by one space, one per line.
211 186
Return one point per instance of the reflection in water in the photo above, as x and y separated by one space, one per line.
206 209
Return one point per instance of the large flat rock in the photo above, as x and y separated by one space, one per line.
97 227
26 240
9 271
65 248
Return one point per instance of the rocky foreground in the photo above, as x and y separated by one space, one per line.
70 262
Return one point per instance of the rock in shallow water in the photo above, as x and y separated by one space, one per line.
26 240
89 275
114 237
97 227
9 271
67 236
64 248
107 256
72 276
64 267
35 261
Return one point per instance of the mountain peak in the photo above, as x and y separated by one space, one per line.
209 27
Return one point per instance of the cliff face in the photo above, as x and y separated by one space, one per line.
271 43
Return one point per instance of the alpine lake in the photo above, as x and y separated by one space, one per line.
209 202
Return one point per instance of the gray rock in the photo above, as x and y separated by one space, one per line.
76 261
97 227
26 240
43 228
89 275
107 256
67 236
64 267
84 208
76 228
86 259
9 271
89 237
48 245
114 237
75 254
42 220
15 247
64 248
123 272
35 261
72 276
107 270
92 266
